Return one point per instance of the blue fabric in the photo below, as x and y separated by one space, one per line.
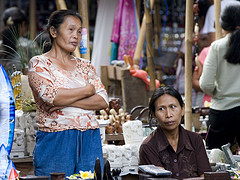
67 151
114 52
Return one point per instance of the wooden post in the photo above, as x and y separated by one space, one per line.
149 37
32 19
140 42
83 11
217 6
188 64
138 9
62 5
157 24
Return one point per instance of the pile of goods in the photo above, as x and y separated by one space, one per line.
116 116
126 156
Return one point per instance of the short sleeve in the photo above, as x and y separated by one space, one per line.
208 26
96 81
40 79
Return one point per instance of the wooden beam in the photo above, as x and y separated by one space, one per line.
188 64
83 11
149 37
140 42
32 19
217 7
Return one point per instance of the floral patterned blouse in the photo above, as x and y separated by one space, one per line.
45 78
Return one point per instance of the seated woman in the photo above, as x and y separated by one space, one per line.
170 146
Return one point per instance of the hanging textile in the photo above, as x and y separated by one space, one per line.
102 33
125 28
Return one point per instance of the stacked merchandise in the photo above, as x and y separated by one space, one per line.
126 156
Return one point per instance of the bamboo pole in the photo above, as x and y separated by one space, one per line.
217 7
141 39
157 24
149 37
188 64
83 11
138 9
140 42
32 19
62 5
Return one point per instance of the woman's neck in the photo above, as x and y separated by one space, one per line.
60 55
172 137
62 59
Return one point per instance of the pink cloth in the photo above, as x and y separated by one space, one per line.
202 57
125 30
117 22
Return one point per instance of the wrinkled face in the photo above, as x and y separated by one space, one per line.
168 112
69 35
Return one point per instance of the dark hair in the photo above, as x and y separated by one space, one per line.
230 21
12 17
14 14
55 20
203 7
161 91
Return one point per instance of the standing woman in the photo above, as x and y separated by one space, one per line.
170 146
67 92
220 79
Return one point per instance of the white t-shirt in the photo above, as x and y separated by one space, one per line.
209 26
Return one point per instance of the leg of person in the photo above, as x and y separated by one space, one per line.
220 128
55 152
90 148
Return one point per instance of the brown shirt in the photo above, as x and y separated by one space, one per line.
190 160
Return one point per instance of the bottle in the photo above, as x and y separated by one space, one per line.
203 127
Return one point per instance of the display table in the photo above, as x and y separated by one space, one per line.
24 165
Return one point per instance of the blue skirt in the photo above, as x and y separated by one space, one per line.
67 151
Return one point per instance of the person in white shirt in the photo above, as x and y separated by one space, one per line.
220 80
209 24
